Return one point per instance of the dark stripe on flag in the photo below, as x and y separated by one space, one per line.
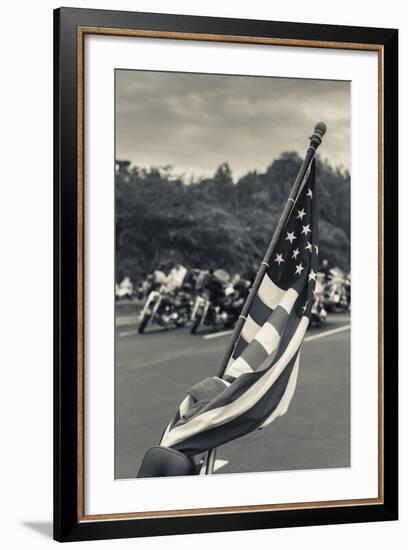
290 329
201 395
176 418
239 347
254 354
259 311
278 319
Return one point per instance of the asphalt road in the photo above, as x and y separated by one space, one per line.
154 371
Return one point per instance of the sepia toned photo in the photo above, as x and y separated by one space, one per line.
232 274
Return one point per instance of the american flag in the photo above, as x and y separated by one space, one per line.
260 378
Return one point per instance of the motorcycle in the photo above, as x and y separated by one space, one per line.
335 293
318 314
347 289
219 303
124 289
167 309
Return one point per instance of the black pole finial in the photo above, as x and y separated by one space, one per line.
318 133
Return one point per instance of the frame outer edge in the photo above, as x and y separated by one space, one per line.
390 325
67 503
65 289
56 305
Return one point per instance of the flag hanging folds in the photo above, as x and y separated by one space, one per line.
260 379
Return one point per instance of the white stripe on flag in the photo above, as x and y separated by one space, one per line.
287 396
184 405
270 293
230 362
238 367
250 329
289 299
222 415
268 337
225 382
166 432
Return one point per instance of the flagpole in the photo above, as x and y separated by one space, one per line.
315 141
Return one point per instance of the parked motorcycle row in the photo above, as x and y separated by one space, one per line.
332 295
214 300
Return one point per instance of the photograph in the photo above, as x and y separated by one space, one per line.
232 274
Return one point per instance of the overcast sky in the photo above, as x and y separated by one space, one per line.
195 122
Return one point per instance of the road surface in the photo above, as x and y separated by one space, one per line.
154 371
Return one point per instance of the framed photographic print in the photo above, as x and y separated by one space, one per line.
225 274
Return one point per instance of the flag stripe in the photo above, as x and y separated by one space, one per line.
208 388
278 321
259 310
268 337
288 299
260 313
238 367
250 329
292 325
269 292
287 396
185 405
239 347
254 354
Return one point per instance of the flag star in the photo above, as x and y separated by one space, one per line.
279 258
295 253
312 276
306 229
301 213
291 237
304 307
317 248
299 269
309 193
308 246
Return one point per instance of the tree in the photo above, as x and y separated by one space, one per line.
216 223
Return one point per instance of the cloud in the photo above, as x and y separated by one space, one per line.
195 121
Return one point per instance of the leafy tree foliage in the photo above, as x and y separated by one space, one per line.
216 222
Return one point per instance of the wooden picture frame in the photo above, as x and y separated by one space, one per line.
70 28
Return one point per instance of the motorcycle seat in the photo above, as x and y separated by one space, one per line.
165 462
